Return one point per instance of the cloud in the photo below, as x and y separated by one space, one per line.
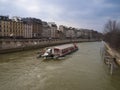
77 13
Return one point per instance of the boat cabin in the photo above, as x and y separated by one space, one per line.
64 49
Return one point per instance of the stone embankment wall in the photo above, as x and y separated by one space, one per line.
11 45
113 53
111 58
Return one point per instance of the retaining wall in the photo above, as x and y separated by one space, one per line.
12 45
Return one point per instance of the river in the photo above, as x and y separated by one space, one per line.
82 70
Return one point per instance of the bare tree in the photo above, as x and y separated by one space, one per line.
112 34
110 26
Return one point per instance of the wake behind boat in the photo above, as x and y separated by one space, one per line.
58 51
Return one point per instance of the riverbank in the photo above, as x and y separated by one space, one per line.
111 57
113 53
15 45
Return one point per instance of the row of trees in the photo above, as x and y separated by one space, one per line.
112 34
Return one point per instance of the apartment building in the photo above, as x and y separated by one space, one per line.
70 33
2 19
78 33
36 25
46 32
27 32
10 28
53 29
17 27
63 30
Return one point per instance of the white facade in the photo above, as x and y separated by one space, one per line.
27 32
63 29
53 27
70 33
46 32
79 33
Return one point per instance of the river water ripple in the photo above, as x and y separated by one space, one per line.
82 70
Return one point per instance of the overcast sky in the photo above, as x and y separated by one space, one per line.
91 14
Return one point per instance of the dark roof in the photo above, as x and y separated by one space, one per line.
4 17
32 20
